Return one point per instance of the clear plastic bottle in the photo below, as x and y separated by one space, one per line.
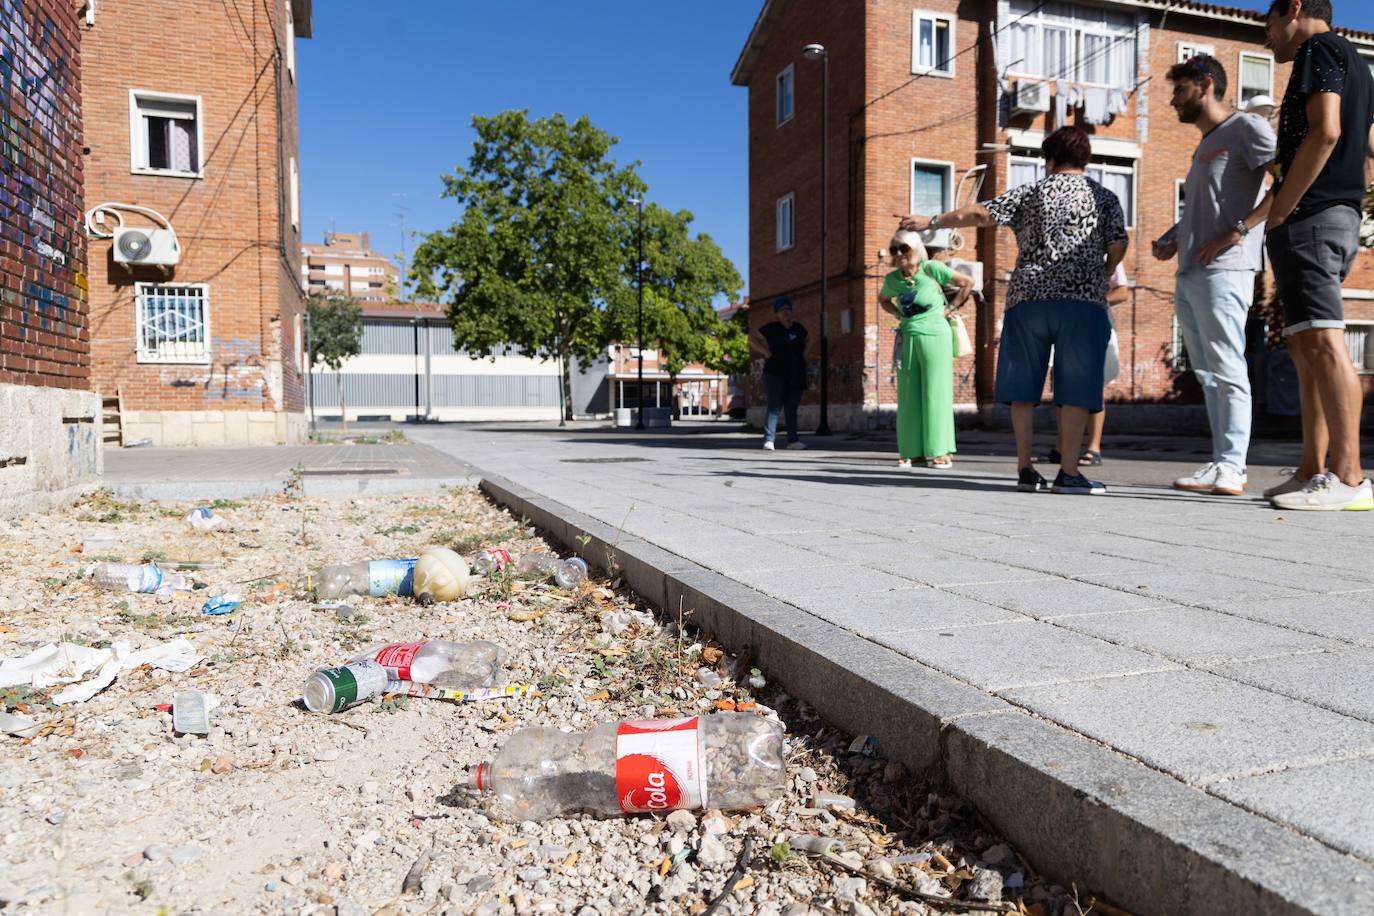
490 560
203 518
437 661
130 577
728 760
566 573
367 577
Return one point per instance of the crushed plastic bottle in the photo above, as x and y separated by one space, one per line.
336 689
567 573
490 560
728 760
203 518
368 577
131 577
190 713
437 661
440 575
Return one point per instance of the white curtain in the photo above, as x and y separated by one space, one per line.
1025 173
1023 55
1058 61
1119 183
1096 65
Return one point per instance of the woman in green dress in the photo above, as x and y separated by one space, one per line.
914 294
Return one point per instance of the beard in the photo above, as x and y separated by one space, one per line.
1188 114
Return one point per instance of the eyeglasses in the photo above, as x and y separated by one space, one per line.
899 249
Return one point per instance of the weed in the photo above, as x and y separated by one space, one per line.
223 658
226 504
22 697
169 512
294 485
466 543
552 682
780 853
399 529
105 558
153 556
392 704
395 437
583 540
122 606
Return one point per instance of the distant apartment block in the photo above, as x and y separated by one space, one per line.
346 263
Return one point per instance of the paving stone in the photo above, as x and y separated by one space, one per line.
955 571
1194 635
1330 801
1200 727
806 581
1193 587
1000 656
1345 617
1057 597
1342 681
916 608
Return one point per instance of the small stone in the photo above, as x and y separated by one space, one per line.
186 854
850 888
480 883
333 871
293 877
270 887
223 764
327 755
986 885
999 855
715 826
56 818
807 774
681 821
712 852
157 852
881 868
531 874
133 859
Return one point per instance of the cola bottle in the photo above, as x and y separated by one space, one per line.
567 573
728 760
437 661
367 577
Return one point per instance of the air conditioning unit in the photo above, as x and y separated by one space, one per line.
973 269
139 246
1030 97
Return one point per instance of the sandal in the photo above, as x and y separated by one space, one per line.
903 462
942 463
1090 457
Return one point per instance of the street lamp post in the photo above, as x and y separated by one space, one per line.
817 52
639 284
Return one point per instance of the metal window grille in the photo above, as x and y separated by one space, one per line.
1357 342
173 324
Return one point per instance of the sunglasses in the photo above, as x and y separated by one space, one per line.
899 249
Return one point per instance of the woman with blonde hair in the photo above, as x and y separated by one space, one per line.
914 294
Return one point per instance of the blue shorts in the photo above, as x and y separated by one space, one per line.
1078 331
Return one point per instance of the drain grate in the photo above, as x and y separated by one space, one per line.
347 472
601 460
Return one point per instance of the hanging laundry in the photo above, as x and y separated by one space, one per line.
1061 103
1095 106
1116 101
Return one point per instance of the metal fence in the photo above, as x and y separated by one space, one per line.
374 389
400 338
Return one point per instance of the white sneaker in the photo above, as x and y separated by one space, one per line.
1291 484
797 444
1326 493
1230 481
767 445
1202 480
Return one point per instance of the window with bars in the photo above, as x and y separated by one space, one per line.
1065 41
165 134
173 324
1360 342
1256 76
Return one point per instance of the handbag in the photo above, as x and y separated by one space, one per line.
963 346
1111 364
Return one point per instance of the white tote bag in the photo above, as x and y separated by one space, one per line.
963 346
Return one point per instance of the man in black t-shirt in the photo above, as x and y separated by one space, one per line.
784 343
1325 151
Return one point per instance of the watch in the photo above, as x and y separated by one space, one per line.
935 221
1240 227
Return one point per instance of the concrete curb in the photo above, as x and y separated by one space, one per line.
245 489
1076 809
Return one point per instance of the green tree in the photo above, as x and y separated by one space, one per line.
537 252
684 276
336 334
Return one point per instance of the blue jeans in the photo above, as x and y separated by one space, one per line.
781 397
1211 306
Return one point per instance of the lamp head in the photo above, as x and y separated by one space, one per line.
813 52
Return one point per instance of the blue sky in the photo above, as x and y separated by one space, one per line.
387 97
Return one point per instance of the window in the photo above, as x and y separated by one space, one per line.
1119 179
1256 76
165 134
295 195
784 227
932 184
172 324
290 41
1187 50
1178 199
786 95
1359 339
932 35
1061 41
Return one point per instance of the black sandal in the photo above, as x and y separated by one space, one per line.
1090 458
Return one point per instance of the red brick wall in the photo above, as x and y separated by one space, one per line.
44 333
234 223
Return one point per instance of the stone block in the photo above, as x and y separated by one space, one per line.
1342 681
1194 635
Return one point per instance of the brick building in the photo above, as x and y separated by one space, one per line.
346 263
190 122
929 97
49 415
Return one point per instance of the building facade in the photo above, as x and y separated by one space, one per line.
193 203
50 449
347 264
937 103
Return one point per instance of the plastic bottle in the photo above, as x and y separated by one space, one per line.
336 689
566 573
130 577
440 575
491 560
204 518
368 577
728 760
437 661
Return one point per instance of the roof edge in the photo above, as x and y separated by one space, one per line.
740 73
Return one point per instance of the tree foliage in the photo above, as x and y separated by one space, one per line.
684 277
538 250
336 328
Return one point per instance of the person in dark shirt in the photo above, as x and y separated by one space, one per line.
1325 152
784 343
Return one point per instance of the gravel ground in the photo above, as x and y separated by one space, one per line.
280 810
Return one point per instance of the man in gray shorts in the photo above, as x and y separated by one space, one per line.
1325 158
1218 241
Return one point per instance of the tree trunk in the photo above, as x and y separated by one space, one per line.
565 379
672 393
343 410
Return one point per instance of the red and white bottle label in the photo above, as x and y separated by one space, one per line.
658 765
397 659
